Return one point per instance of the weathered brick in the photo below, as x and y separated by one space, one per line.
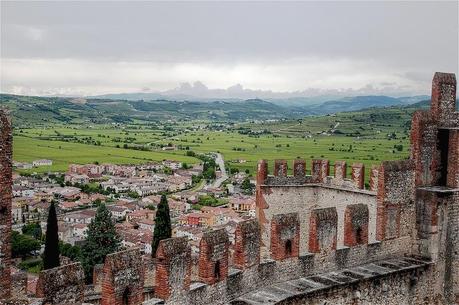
173 268
213 256
6 140
247 244
285 236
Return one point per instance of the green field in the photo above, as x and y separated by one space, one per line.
89 144
27 149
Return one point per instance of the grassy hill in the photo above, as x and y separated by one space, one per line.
32 111
373 122
29 111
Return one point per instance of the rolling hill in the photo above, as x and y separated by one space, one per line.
32 111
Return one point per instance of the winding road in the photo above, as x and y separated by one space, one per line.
221 163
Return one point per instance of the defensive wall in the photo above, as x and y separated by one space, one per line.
317 239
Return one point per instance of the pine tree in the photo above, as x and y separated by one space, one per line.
163 227
101 240
51 254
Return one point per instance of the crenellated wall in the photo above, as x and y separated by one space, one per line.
123 278
303 195
316 239
62 285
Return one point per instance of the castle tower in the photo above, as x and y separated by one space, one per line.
435 153
6 141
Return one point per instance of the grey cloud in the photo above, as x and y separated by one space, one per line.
409 39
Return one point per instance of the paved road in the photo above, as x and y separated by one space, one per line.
221 163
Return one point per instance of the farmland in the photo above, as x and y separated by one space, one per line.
87 132
241 149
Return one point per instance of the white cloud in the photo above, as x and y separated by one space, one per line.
82 77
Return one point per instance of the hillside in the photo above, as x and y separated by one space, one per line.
29 111
32 111
367 122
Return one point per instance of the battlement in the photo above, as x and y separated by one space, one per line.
316 237
320 174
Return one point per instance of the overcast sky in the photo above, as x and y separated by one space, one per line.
88 48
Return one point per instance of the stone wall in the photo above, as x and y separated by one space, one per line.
173 267
303 199
6 156
62 285
397 282
323 230
356 225
246 244
396 211
285 236
213 256
123 279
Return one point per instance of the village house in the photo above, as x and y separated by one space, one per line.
118 212
174 165
22 191
22 165
192 233
79 230
42 162
146 224
84 217
199 219
68 205
76 178
135 216
16 212
242 203
220 216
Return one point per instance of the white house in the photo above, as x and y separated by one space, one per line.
146 224
42 162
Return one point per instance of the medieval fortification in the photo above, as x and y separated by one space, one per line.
318 239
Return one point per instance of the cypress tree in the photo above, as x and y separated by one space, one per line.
101 240
51 254
163 227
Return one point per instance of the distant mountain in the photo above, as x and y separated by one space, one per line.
30 110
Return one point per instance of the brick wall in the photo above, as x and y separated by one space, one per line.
299 168
340 170
213 256
374 174
323 230
123 278
280 168
247 244
356 225
5 203
395 199
285 236
443 102
358 175
453 159
173 268
62 285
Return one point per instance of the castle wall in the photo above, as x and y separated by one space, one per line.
62 285
6 141
123 281
303 199
405 286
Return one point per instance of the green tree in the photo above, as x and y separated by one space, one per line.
72 252
32 229
163 227
101 240
51 254
23 245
